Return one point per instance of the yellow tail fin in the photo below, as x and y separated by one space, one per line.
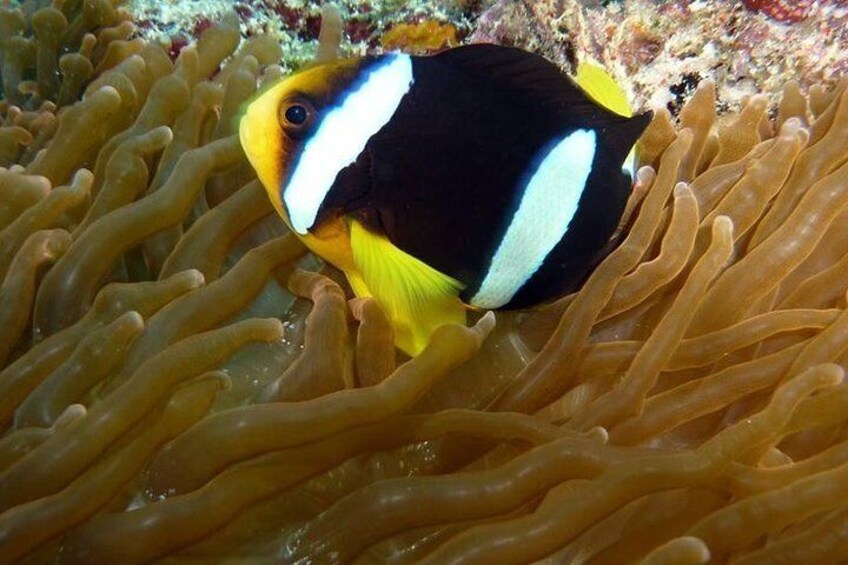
602 87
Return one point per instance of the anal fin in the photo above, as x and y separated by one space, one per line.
416 297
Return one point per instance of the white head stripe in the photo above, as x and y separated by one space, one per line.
546 209
342 135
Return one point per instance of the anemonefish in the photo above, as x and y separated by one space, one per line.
481 177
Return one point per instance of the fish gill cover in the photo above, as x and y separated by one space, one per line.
164 395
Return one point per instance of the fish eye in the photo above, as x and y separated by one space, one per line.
297 116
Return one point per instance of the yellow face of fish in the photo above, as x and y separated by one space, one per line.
273 132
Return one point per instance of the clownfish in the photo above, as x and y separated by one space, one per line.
481 177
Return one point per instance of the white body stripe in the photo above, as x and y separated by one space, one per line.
342 135
546 209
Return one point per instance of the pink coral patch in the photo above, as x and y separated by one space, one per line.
788 11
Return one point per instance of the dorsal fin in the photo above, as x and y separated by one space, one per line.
542 82
527 74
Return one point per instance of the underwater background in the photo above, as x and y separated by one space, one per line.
181 381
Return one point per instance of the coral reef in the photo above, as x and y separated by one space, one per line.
652 47
420 38
295 23
656 48
782 10
178 378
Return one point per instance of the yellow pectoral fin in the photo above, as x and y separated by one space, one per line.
416 297
358 285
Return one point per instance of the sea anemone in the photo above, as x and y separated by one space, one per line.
179 378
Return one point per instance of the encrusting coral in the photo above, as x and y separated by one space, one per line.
179 378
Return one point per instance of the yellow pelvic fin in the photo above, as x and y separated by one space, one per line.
602 87
416 297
